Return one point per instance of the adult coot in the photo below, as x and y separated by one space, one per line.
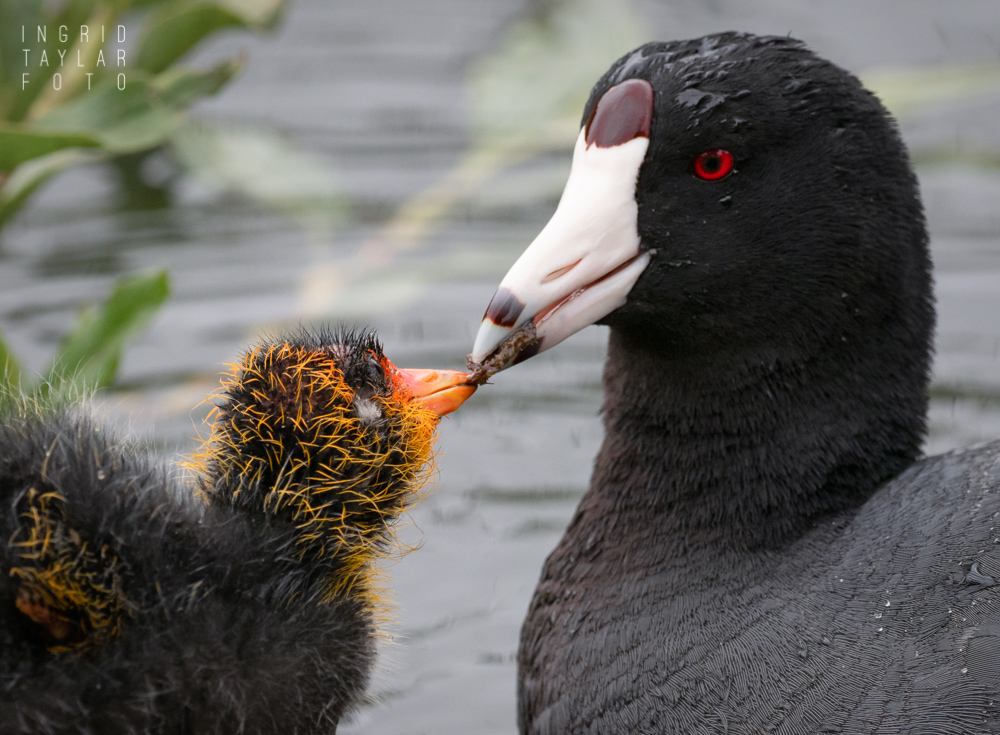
127 605
758 551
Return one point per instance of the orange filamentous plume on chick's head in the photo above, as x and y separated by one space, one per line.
322 433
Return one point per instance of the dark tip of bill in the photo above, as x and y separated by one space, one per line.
505 308
624 113
522 338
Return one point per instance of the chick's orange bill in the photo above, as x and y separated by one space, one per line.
440 391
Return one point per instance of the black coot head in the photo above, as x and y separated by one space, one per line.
774 215
814 236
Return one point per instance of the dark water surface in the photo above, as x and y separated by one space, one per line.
376 91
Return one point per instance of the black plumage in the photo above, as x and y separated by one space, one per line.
131 602
748 558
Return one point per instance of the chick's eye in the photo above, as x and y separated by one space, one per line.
376 373
713 165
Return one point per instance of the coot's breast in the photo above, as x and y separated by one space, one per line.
883 621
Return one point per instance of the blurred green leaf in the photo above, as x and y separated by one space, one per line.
910 91
178 26
88 108
27 177
122 120
39 96
574 41
142 115
262 166
13 15
18 144
256 14
89 355
175 28
10 370
181 87
956 154
904 90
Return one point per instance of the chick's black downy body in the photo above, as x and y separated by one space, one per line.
130 605
748 558
221 629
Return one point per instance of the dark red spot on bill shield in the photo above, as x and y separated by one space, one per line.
505 308
622 114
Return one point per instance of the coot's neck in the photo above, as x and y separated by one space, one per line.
740 453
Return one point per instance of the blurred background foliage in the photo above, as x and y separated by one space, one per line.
66 99
89 354
526 96
65 91
515 114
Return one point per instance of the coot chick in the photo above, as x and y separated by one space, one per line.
759 550
131 605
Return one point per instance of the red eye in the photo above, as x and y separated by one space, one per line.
713 165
